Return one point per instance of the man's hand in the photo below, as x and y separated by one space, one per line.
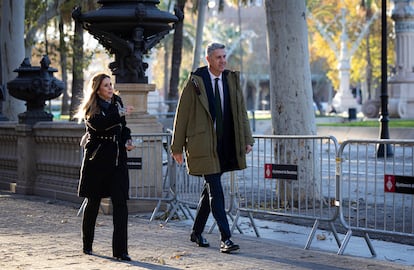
178 158
249 148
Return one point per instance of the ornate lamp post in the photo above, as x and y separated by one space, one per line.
127 29
384 150
35 85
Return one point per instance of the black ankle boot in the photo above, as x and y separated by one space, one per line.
87 251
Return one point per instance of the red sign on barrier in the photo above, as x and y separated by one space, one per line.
281 171
399 184
268 170
389 183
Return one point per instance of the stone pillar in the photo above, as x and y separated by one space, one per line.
136 94
402 83
141 122
26 168
343 99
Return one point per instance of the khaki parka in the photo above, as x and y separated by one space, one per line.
194 131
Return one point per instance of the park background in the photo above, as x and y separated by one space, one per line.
284 59
242 25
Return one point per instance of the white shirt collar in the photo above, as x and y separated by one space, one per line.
212 76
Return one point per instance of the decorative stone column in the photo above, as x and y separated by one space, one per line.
401 101
26 164
343 99
141 122
136 94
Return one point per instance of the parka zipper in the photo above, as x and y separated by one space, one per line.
116 142
117 152
94 152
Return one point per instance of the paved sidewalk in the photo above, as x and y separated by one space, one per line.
37 233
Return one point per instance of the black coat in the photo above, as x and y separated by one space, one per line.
104 171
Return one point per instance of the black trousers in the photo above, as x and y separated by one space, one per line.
212 199
120 223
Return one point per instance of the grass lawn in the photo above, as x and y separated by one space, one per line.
392 123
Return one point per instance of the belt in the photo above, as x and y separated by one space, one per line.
107 138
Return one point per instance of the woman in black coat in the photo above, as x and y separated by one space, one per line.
104 170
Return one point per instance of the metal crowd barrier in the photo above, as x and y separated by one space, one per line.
149 169
155 176
377 187
303 177
187 190
310 194
291 176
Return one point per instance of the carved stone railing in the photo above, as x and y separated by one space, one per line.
43 159
8 155
58 159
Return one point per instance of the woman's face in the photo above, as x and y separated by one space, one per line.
105 90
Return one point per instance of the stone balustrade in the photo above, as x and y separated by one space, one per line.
43 159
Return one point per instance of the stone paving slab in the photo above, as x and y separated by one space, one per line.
37 233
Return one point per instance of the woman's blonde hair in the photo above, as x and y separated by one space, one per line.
89 105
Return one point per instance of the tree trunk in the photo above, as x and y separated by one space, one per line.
369 67
12 52
290 84
77 82
63 66
51 12
166 69
291 92
2 85
201 15
176 59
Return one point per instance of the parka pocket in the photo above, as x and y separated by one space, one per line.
193 131
198 145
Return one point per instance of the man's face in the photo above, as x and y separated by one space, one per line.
217 61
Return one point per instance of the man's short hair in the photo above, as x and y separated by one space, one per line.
212 47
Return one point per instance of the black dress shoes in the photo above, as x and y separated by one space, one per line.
123 257
228 246
87 251
199 240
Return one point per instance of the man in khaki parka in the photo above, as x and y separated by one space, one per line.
215 138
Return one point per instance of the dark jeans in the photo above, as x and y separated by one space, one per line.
120 223
212 199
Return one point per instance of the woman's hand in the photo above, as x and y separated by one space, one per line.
124 110
129 109
129 145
